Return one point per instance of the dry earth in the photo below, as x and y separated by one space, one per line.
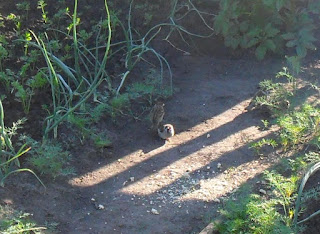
145 185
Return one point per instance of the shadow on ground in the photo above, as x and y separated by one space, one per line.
145 186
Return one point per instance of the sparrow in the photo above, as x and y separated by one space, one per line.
166 131
156 115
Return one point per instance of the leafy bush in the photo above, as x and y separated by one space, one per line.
268 26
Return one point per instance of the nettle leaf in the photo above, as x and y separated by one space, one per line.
244 26
270 45
260 52
252 42
219 22
232 42
254 32
288 36
292 43
301 51
271 31
294 63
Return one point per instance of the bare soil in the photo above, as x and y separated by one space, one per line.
146 185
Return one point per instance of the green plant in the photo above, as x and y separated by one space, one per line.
251 213
265 123
23 95
71 89
275 96
300 127
101 141
48 158
16 20
267 26
119 104
3 51
13 221
284 190
9 158
24 6
306 177
41 5
257 146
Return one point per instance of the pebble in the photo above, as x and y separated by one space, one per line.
154 211
263 191
216 200
101 207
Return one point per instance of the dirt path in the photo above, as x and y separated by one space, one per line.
146 186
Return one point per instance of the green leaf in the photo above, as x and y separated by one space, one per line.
288 36
271 31
260 52
232 42
244 26
269 44
252 42
301 51
292 43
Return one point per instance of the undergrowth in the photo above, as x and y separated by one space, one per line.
282 205
12 221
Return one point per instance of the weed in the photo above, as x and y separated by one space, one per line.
48 158
13 221
119 104
9 158
41 5
101 141
300 127
257 146
251 213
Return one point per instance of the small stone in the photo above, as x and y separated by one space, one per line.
208 135
219 165
208 167
101 207
263 191
92 199
154 211
217 200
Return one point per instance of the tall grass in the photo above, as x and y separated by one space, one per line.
71 89
9 159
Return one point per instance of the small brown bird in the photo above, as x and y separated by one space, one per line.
166 131
156 115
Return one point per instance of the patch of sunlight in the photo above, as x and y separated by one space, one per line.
163 178
200 159
224 183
